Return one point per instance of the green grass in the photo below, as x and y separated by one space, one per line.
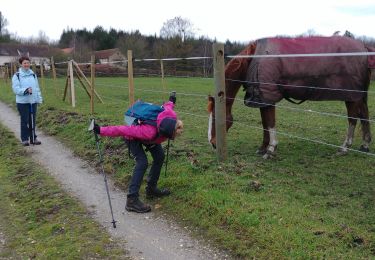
305 203
41 221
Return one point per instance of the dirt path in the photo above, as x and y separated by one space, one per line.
148 236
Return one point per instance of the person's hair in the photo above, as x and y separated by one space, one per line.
23 58
179 124
179 128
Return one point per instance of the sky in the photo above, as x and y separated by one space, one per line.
240 20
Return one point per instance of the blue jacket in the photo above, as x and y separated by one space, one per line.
26 79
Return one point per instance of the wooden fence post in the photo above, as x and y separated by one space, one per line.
2 72
54 75
92 84
72 91
220 102
162 76
130 77
42 75
6 74
14 68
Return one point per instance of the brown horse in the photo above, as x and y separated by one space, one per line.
269 80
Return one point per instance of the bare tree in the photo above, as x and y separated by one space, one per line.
42 38
177 27
3 24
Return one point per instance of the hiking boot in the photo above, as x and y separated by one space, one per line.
36 142
25 143
154 192
134 204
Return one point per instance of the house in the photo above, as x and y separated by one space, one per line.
110 55
68 51
10 53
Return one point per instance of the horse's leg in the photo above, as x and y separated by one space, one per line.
266 136
269 131
352 112
365 126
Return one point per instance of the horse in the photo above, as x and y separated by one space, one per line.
271 79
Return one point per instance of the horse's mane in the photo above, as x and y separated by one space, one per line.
237 67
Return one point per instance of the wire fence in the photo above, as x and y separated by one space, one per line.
204 65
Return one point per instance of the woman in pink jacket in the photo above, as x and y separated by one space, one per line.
150 137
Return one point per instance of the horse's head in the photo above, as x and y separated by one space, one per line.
235 74
211 121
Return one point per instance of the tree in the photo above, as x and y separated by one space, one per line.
177 27
103 39
42 38
3 24
135 42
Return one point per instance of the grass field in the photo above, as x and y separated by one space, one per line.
39 220
305 203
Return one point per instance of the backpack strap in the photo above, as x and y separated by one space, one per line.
18 76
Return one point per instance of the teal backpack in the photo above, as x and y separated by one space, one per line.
142 113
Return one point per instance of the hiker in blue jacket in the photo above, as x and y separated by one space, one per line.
26 87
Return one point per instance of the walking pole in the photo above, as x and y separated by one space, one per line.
31 121
173 94
91 128
166 162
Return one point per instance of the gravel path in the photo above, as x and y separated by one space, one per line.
148 236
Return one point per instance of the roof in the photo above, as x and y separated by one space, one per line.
11 49
105 54
67 50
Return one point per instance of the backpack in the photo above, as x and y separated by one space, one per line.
142 113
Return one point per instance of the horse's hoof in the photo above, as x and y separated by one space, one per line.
261 151
269 155
266 156
364 149
342 151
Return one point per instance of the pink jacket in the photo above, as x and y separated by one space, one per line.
143 132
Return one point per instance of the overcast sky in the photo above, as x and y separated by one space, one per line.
237 20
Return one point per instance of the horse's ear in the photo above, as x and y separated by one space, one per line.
211 103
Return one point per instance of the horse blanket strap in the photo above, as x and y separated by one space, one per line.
294 102
286 96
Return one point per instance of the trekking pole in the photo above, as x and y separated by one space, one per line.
166 161
31 121
91 128
173 94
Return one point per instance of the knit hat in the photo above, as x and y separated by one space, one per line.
167 127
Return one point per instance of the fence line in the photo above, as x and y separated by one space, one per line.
347 54
343 54
285 134
270 56
240 100
299 86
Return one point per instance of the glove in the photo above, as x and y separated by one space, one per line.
172 99
96 129
27 91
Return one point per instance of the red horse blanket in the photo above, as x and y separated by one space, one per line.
343 78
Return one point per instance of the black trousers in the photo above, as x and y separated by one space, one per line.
141 165
25 115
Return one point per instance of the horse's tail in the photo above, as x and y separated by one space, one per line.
371 58
371 66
